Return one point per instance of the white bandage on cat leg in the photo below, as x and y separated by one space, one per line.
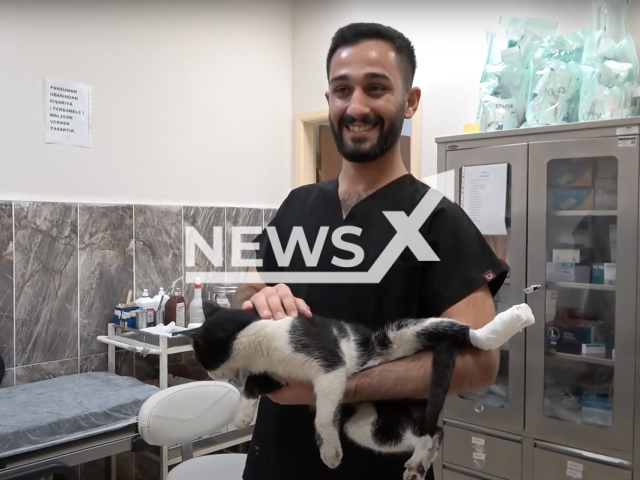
504 326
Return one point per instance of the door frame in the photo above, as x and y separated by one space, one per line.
304 160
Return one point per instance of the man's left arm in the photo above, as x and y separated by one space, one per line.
410 377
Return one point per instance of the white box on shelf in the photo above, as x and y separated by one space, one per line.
568 272
566 255
551 305
609 273
606 194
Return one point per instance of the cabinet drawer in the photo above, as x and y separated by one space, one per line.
555 466
483 453
450 475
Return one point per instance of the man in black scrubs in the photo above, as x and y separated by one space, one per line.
370 70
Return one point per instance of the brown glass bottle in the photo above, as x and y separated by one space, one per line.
175 310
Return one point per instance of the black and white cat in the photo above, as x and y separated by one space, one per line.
326 352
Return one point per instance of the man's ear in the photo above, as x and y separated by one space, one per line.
210 308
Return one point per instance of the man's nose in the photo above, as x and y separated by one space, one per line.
359 106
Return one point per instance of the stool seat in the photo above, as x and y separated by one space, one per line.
223 466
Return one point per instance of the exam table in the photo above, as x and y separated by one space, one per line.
50 426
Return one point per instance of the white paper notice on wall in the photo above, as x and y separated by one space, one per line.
484 196
67 113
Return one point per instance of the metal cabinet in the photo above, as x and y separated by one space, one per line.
582 396
502 405
572 228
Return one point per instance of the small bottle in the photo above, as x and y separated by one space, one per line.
145 302
175 310
196 313
161 298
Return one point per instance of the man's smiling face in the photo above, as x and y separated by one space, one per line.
367 100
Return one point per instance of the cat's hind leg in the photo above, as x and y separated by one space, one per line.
329 390
427 446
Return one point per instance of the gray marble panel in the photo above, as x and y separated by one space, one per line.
94 363
43 371
125 466
158 252
125 363
99 469
46 282
6 284
106 269
147 468
241 217
9 378
269 214
204 220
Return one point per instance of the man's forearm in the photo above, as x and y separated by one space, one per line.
411 377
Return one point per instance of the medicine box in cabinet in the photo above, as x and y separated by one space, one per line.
568 272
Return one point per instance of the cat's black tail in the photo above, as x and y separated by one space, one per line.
444 360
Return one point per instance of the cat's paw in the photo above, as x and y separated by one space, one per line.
423 456
331 454
244 415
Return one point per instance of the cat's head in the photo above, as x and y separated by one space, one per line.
213 342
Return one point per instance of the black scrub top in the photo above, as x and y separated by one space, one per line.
284 443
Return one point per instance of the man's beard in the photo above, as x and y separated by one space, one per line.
357 153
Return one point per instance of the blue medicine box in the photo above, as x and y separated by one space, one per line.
569 339
125 316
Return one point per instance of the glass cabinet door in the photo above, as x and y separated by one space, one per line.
583 200
502 404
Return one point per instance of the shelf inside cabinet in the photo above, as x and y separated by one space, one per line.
584 286
581 358
584 213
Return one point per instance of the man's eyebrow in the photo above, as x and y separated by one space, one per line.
368 76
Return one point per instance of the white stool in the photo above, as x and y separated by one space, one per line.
185 412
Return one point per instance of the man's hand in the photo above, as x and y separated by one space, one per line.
296 392
273 302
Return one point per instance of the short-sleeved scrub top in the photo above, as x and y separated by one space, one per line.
284 442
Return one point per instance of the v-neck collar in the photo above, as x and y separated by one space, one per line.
335 192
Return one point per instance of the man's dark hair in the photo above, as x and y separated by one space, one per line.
355 33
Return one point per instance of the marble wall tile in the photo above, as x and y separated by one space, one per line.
269 214
94 363
125 363
46 282
43 371
240 217
6 284
146 468
125 466
158 248
204 219
9 378
106 269
99 469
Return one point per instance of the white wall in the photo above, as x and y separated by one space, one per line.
450 43
191 100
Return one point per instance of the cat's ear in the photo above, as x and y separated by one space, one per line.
210 308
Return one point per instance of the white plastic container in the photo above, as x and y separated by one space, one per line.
196 313
160 296
145 302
